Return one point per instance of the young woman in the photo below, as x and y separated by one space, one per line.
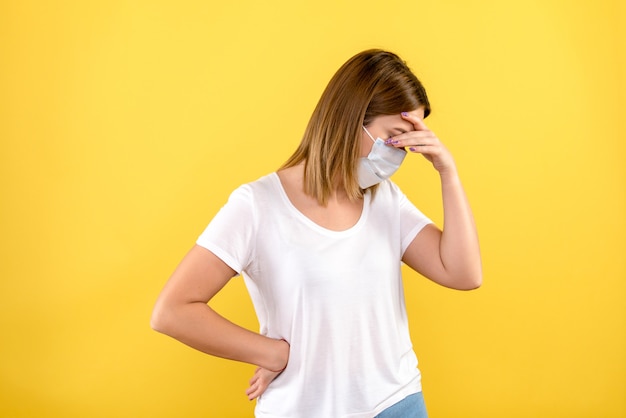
320 244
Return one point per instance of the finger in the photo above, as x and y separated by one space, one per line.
413 138
255 388
421 149
252 396
255 392
418 123
254 377
416 135
254 383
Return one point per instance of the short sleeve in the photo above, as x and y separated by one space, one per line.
230 233
412 220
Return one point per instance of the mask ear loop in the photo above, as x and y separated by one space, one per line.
368 133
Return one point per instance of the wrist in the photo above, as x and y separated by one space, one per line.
449 173
279 355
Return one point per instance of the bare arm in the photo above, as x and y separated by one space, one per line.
181 311
450 257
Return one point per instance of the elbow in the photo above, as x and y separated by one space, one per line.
467 280
156 321
159 320
473 277
472 281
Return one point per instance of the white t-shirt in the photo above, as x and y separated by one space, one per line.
335 296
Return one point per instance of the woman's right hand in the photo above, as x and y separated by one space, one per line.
260 381
263 377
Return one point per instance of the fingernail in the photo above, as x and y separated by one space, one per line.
412 149
405 114
389 141
395 142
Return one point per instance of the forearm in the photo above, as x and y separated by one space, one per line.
459 248
199 326
450 257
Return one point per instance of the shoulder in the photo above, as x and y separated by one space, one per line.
389 196
264 189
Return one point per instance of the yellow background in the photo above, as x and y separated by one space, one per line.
126 124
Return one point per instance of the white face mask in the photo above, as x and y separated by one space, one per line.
382 161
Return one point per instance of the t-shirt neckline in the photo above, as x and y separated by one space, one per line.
313 225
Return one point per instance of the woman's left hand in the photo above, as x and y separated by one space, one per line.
260 381
424 141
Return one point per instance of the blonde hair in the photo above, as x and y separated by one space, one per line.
370 84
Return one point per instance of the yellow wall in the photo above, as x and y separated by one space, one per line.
126 124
